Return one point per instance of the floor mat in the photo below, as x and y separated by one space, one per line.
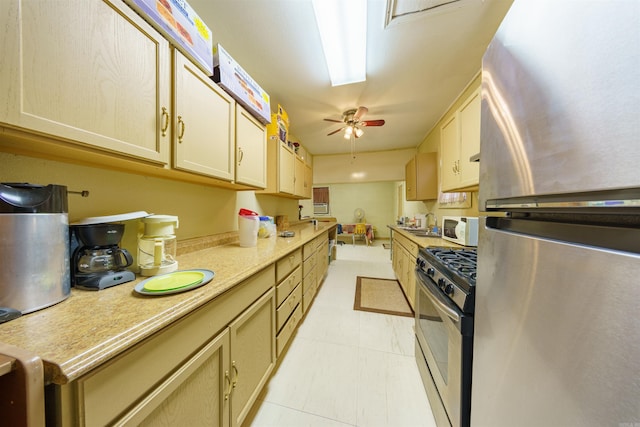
381 296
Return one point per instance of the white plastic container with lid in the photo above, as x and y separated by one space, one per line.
248 225
157 246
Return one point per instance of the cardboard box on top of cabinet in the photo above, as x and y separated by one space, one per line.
179 23
278 129
235 80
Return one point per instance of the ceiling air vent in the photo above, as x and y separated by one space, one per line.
399 10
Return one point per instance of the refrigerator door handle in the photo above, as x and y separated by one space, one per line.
435 295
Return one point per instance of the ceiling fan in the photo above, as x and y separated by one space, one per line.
354 123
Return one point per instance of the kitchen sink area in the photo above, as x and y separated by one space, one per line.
420 232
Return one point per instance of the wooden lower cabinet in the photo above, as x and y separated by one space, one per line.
288 297
197 394
403 262
205 369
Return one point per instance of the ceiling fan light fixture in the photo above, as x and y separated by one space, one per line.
359 132
343 31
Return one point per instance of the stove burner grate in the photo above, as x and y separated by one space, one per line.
459 261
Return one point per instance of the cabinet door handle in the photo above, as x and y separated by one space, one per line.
236 374
165 121
182 129
228 392
240 155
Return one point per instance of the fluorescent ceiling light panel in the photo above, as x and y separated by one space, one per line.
343 30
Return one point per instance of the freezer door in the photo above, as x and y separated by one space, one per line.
557 333
561 100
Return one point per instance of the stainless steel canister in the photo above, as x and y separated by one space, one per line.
34 246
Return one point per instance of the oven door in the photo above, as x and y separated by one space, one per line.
439 331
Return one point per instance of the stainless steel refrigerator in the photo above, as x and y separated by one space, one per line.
557 317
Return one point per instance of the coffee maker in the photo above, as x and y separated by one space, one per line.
98 261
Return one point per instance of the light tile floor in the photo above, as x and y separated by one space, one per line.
347 367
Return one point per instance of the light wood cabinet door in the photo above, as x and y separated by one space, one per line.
204 123
470 140
88 72
251 150
196 394
298 177
253 354
308 181
421 177
286 169
450 153
460 139
410 179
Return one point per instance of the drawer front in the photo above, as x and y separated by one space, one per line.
308 249
286 308
287 331
308 265
321 240
309 280
399 238
287 285
287 264
308 297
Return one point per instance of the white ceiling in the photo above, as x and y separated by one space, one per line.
416 66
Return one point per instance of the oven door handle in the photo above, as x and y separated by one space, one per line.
435 295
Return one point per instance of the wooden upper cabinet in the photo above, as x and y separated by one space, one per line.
470 140
87 72
421 177
299 177
286 169
460 139
308 181
203 123
251 150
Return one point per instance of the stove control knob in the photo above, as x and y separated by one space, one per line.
441 283
430 271
421 263
449 289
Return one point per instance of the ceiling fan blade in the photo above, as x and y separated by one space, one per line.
335 131
372 123
360 113
334 121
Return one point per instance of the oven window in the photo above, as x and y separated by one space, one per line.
434 331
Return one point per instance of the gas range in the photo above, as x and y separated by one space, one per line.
454 272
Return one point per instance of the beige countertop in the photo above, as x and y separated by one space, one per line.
424 242
91 327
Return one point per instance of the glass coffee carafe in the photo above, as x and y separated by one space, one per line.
157 246
95 260
98 261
